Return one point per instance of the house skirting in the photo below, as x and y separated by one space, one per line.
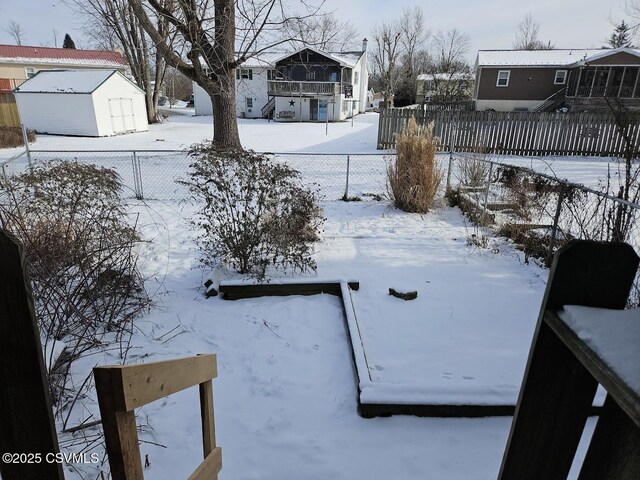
507 105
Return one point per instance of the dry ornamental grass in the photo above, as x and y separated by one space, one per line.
415 177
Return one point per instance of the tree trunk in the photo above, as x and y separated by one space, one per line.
225 123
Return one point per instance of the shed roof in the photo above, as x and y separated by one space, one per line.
65 56
66 81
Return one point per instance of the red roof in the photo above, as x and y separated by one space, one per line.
63 55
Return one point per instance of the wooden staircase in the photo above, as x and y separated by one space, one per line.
268 109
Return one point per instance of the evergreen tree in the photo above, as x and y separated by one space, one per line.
68 42
621 36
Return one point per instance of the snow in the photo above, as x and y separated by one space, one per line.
487 58
285 398
612 334
71 81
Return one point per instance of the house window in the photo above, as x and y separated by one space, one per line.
503 78
310 75
560 78
244 73
249 102
30 71
355 78
272 74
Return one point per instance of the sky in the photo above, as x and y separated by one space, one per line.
489 25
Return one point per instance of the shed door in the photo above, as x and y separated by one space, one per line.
122 118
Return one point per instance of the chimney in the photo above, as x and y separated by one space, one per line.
364 45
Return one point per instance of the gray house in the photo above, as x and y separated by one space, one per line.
543 80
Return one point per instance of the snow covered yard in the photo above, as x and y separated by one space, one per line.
285 398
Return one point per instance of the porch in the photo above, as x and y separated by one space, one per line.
285 88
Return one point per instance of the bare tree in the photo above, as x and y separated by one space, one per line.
218 36
112 25
632 9
527 35
414 57
177 86
54 33
449 71
15 30
387 49
326 32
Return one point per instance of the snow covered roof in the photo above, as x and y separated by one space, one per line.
446 76
65 81
543 58
61 56
346 59
263 60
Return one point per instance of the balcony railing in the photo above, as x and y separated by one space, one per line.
290 88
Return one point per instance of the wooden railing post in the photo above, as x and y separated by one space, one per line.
123 388
26 418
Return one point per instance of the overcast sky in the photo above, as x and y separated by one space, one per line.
490 25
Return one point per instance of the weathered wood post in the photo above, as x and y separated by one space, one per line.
26 418
557 392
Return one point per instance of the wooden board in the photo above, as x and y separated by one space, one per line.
26 418
136 385
558 390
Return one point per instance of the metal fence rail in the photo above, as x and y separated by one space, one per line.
538 211
152 174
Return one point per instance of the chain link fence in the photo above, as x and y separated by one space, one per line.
539 212
152 174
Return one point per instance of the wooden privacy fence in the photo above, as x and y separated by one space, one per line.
514 133
121 389
8 111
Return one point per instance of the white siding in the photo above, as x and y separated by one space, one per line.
115 93
84 114
256 88
201 101
58 113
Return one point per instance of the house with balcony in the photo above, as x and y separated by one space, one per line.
307 85
251 87
546 80
18 63
316 86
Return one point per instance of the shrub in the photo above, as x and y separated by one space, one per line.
414 178
11 137
254 212
473 170
81 259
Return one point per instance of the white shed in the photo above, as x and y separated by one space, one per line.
91 103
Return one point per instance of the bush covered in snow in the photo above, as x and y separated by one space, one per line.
81 259
415 176
255 214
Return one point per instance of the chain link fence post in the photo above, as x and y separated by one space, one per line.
556 219
25 139
448 187
137 177
486 195
346 188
